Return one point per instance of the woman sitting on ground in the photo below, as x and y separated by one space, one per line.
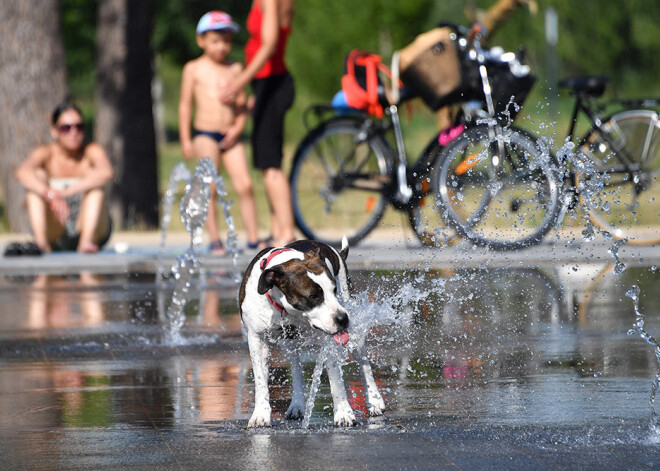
65 183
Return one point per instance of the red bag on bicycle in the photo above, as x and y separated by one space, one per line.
360 82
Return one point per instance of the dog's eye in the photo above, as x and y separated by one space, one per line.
316 297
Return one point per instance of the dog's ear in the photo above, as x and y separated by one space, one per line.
313 253
344 248
269 278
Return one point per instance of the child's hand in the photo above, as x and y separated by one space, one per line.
232 136
188 150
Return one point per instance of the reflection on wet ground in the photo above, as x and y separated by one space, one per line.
532 359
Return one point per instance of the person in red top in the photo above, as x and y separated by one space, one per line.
269 26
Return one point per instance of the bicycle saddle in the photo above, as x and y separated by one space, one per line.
591 86
405 93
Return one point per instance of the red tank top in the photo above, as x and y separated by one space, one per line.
275 65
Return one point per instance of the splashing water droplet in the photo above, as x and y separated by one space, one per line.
638 326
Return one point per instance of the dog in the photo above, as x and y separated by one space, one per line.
287 294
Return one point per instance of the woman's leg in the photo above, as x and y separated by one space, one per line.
279 195
93 220
235 161
274 96
45 227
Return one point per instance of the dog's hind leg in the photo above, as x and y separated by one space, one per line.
260 354
296 409
375 403
344 415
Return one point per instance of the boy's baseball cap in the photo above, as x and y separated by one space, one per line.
216 21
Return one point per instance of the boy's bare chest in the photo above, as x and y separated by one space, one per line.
210 81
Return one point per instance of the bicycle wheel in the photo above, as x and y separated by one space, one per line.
424 212
498 187
338 182
620 180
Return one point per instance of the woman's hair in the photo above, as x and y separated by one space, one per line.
61 108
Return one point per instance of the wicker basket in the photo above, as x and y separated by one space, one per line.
432 65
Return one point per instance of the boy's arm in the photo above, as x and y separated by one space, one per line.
185 110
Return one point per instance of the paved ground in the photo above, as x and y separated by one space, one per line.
149 432
134 252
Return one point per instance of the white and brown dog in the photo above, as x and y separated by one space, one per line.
284 292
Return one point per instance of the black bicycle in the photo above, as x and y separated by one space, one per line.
345 171
493 187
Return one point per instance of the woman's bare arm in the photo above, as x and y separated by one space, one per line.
27 172
269 35
97 176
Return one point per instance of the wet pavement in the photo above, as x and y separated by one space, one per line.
485 360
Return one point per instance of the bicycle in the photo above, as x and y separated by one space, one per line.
345 172
494 191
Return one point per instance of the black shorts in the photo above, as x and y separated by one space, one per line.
273 97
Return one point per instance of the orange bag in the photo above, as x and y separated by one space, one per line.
360 81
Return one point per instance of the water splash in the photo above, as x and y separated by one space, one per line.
382 307
619 266
193 208
179 173
316 381
184 270
638 326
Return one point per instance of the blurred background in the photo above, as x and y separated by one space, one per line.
121 61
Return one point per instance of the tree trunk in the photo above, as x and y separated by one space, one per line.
32 83
124 122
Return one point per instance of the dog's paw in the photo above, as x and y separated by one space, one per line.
376 404
344 417
260 418
296 411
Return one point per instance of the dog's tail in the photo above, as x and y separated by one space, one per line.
344 248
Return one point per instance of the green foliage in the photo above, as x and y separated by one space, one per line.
618 37
79 37
324 33
176 22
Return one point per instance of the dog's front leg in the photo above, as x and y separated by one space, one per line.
344 415
375 403
296 409
260 354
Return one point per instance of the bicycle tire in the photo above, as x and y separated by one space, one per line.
502 204
424 212
627 207
338 181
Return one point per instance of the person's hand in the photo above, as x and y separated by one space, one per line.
232 135
58 205
187 149
229 92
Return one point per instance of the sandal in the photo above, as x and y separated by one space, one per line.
258 245
217 248
16 249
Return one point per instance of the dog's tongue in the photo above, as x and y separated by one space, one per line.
341 337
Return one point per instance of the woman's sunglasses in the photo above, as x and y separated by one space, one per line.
66 128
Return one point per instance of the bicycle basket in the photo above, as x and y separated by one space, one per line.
432 65
507 87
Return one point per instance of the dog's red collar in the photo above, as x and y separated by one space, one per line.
264 263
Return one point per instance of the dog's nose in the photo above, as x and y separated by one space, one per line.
341 319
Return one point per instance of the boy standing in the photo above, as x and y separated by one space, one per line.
217 126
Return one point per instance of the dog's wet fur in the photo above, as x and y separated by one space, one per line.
307 280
